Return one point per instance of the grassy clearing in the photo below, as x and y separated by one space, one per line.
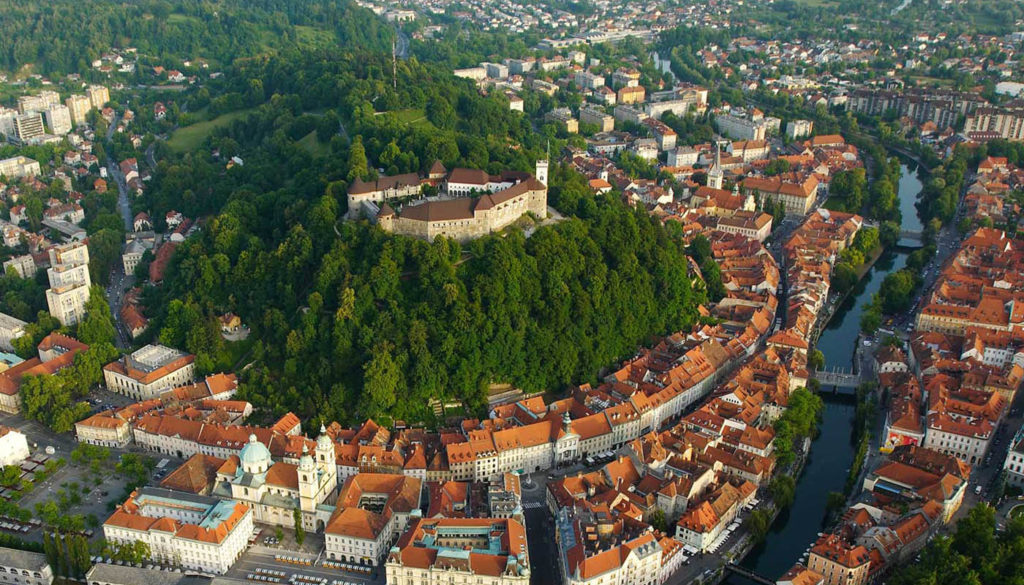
411 117
190 137
310 144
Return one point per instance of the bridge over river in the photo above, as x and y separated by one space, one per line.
839 377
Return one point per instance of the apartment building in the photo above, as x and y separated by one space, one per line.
597 117
79 107
24 266
996 122
148 371
597 550
98 95
28 127
796 194
11 328
69 282
703 524
741 128
58 119
797 129
38 103
588 80
17 167
631 95
195 532
440 551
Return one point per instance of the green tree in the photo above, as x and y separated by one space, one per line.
300 532
98 324
357 164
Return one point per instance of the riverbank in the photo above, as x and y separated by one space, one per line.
823 470
837 301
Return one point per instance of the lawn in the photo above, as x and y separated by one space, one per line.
310 144
410 116
190 137
834 204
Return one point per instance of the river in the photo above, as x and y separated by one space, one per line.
832 451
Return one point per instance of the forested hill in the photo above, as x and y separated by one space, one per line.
64 36
350 322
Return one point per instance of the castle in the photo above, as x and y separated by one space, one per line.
472 203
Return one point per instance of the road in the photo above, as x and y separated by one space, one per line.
119 281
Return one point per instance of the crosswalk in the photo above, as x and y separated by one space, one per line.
532 505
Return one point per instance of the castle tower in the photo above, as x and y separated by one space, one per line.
542 172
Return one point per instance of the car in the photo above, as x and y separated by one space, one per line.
977 490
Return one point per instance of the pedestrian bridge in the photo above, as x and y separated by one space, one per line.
841 377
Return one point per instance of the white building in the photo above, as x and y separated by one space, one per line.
38 103
19 166
965 438
58 118
28 126
149 371
741 128
24 567
13 447
24 266
799 128
275 489
10 329
188 530
1014 462
69 282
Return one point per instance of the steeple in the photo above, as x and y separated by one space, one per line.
715 174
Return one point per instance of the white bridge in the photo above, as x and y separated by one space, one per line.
841 377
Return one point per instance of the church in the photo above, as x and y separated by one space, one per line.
274 490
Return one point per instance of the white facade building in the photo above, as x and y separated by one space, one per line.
149 371
58 118
192 531
69 282
10 329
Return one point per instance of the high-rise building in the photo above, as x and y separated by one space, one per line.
58 118
28 126
38 103
98 95
79 106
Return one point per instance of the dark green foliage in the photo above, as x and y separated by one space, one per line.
800 421
974 555
377 325
58 37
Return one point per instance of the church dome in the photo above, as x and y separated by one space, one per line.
323 442
254 456
306 461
